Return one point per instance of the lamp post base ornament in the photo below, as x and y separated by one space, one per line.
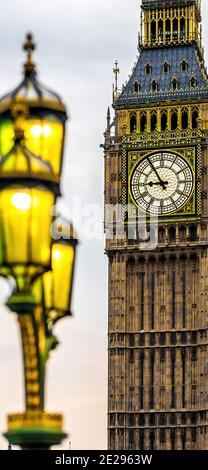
35 430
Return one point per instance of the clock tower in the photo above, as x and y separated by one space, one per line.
156 166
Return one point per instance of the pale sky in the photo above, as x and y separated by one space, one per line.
78 42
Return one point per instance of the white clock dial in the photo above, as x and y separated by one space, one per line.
161 183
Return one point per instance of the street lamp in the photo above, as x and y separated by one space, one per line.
25 242
36 250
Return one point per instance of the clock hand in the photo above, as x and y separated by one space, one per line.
162 183
158 183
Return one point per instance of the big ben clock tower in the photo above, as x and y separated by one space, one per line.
156 163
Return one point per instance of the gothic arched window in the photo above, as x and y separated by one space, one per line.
148 69
161 235
184 66
164 121
194 118
182 28
174 120
143 122
175 28
184 119
136 87
182 234
153 122
153 30
172 234
167 29
193 83
193 233
154 85
160 29
166 67
175 84
133 122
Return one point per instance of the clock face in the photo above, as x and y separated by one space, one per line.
161 183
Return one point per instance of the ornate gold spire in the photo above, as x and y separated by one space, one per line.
116 71
29 47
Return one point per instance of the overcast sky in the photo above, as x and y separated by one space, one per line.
78 42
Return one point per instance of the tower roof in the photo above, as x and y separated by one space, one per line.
156 58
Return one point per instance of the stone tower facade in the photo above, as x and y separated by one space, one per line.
156 162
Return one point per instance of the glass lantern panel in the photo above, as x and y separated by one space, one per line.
44 138
6 136
40 224
25 225
20 161
58 282
15 208
16 162
62 268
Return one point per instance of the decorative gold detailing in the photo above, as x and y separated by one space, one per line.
29 47
19 108
32 373
167 135
152 124
19 111
123 117
45 103
170 25
35 419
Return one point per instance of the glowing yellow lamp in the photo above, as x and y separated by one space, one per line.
6 136
57 283
45 137
38 149
54 288
25 223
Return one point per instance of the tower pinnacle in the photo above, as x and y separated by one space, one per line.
108 118
116 71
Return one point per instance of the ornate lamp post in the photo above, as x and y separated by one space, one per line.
37 251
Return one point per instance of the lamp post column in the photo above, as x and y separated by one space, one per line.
34 429
32 122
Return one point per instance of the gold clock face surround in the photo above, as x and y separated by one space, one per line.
161 183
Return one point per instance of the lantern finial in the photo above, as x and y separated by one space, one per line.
29 47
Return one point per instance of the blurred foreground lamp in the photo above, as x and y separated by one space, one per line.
32 129
50 289
25 242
